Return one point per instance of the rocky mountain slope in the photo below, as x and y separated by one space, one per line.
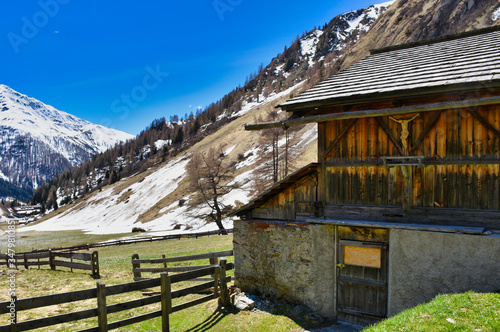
409 21
160 200
38 141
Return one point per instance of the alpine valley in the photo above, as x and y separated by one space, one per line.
151 188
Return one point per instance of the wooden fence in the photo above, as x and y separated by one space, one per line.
89 246
219 284
138 270
52 259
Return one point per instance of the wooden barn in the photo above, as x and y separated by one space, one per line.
403 202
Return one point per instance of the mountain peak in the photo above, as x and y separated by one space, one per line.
37 140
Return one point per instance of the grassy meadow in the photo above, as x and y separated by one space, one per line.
116 268
451 312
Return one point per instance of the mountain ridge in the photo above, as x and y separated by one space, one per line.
38 141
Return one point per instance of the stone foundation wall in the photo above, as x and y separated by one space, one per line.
293 262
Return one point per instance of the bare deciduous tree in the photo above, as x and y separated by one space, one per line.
211 176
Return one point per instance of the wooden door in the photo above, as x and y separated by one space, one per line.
362 281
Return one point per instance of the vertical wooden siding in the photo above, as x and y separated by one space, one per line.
296 200
456 135
363 185
457 146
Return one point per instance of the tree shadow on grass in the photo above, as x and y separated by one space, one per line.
211 321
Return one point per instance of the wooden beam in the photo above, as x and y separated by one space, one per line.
432 122
339 137
391 136
485 122
182 258
376 113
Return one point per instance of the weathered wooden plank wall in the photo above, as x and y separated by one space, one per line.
461 149
304 197
457 135
297 200
280 207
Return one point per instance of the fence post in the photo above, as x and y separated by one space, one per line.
216 282
25 262
13 315
102 310
164 263
95 265
224 293
51 260
166 301
137 275
213 261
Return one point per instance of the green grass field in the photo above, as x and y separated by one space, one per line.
116 268
453 312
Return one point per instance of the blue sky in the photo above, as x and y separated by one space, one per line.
125 63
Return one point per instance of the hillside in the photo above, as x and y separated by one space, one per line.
159 198
409 21
298 66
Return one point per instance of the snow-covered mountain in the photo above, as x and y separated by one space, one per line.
342 31
37 141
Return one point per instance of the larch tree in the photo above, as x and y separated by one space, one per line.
276 157
211 176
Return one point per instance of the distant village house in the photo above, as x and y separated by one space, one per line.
26 211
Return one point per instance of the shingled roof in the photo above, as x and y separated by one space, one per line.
460 61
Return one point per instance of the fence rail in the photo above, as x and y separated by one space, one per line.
219 284
138 270
38 259
89 246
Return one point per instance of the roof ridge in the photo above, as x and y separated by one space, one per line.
436 40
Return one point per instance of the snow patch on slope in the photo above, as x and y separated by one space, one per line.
309 43
107 213
496 14
248 106
160 144
3 177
